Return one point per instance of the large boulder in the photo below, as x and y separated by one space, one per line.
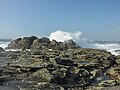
22 43
39 43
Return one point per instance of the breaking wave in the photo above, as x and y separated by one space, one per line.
62 36
4 44
113 48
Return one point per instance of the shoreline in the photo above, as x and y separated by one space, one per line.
60 66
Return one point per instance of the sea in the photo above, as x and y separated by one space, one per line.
110 46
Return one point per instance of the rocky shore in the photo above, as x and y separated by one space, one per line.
41 64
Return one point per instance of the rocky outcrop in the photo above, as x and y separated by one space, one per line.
74 68
57 66
40 43
35 43
22 43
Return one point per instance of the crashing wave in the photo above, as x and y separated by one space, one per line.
62 36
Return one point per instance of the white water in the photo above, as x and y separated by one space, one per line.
109 47
4 44
62 36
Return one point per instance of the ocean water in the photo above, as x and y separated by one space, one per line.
110 46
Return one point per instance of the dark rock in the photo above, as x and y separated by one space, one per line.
22 43
40 43
72 44
62 45
2 52
1 49
65 62
57 45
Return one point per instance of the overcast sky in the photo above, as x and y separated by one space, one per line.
96 19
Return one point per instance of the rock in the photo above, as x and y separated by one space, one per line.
65 62
4 78
41 75
21 43
107 83
54 43
114 73
40 43
112 88
1 49
49 64
57 45
71 44
95 73
118 60
2 52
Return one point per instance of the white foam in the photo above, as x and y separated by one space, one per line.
4 44
62 36
109 47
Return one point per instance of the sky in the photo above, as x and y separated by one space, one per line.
96 19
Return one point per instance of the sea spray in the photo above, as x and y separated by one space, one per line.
62 36
4 43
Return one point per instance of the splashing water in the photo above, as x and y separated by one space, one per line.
62 36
